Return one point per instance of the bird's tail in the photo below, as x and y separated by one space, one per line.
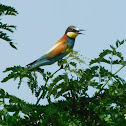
38 63
31 65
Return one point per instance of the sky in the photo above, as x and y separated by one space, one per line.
41 23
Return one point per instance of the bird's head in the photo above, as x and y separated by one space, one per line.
73 31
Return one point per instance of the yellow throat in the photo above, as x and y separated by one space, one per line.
72 34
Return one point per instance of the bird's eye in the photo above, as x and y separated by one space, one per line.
74 30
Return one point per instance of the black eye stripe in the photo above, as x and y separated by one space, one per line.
69 29
74 30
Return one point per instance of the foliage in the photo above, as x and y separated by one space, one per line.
69 85
7 10
72 106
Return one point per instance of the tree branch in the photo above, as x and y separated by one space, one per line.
107 82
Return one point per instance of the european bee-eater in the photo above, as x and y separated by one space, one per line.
58 51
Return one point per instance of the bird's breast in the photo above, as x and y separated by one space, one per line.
71 41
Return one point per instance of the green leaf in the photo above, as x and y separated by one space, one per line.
7 10
5 37
73 64
117 43
7 27
12 45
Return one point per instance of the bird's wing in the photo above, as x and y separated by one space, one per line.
57 49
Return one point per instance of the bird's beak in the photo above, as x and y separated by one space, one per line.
79 31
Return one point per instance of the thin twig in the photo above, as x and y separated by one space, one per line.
57 71
107 82
38 99
46 80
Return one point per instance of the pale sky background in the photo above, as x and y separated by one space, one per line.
40 23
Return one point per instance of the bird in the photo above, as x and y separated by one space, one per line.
59 50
